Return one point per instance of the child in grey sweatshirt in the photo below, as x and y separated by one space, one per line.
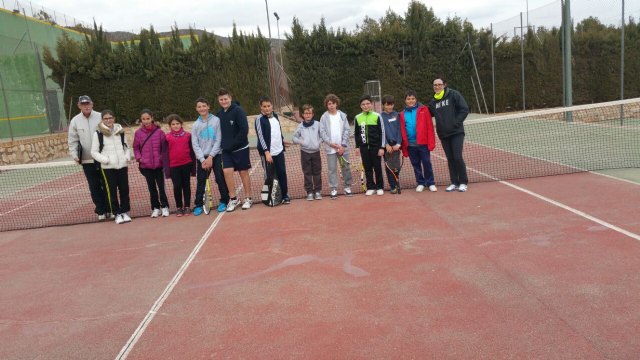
308 136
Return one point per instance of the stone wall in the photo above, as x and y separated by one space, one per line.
51 147
34 150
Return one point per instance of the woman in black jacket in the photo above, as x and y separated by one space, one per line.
450 109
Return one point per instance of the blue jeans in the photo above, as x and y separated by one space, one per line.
420 157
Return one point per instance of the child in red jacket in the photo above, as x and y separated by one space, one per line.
180 164
418 140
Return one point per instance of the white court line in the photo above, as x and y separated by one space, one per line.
558 204
614 178
36 201
126 349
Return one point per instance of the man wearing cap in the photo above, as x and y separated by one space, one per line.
81 129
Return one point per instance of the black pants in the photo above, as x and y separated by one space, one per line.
372 167
181 179
155 184
118 186
312 170
452 147
202 176
96 188
280 169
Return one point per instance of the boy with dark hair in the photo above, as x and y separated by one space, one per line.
271 145
418 140
370 143
205 140
235 148
308 136
394 142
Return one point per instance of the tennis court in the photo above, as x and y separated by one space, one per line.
523 267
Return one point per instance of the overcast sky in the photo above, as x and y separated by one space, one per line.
218 16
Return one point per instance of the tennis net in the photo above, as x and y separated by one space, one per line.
524 145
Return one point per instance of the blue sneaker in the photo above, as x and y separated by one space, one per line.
222 207
197 211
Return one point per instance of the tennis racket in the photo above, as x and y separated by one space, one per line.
363 184
343 163
393 162
207 200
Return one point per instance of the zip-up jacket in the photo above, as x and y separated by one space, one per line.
450 113
114 155
392 127
205 137
150 155
179 152
369 130
424 130
235 128
263 131
81 130
308 136
325 131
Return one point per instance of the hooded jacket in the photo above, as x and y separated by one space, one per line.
325 131
424 130
235 128
450 112
113 155
308 136
150 156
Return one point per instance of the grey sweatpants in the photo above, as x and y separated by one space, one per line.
332 164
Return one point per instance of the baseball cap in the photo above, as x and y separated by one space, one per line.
84 99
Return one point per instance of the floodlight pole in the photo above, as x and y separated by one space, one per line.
266 3
567 26
622 65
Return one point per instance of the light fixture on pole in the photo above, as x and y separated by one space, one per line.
279 44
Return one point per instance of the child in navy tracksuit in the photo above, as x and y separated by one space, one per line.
392 155
271 145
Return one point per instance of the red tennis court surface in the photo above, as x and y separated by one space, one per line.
497 272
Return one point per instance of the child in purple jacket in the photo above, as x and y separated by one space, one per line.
149 143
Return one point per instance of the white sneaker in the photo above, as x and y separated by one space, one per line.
246 205
370 192
334 194
450 188
433 188
155 213
119 219
319 196
126 217
165 211
420 188
347 192
380 192
462 188
102 217
232 205
310 196
110 216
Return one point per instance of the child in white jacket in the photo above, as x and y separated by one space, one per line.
110 149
